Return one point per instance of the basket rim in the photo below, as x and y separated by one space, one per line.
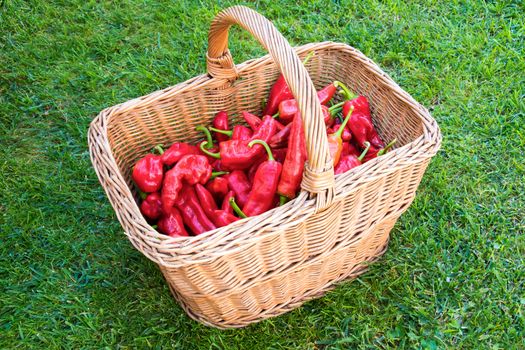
193 248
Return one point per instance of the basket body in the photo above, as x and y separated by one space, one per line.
263 266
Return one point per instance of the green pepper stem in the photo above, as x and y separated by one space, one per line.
334 112
225 132
142 195
276 115
236 208
349 95
367 144
159 149
282 200
205 151
214 174
339 132
387 147
209 139
154 227
337 105
265 145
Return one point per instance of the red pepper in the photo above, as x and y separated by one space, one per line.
346 136
218 187
151 206
226 205
240 185
264 184
223 218
374 152
280 92
177 151
288 108
192 213
253 168
221 122
255 122
240 132
293 166
171 224
349 148
335 142
281 138
280 154
350 161
191 168
148 173
206 200
361 124
237 155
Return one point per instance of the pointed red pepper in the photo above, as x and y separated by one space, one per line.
148 173
221 122
293 166
350 161
177 151
240 185
191 211
280 92
361 124
264 184
223 218
171 224
335 142
280 139
240 132
349 148
236 154
255 122
206 200
151 206
192 169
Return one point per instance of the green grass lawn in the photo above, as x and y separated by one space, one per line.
454 274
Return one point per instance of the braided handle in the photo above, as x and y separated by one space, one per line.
318 177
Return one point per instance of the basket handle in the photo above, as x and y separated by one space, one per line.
318 177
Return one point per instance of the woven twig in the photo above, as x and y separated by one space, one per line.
266 265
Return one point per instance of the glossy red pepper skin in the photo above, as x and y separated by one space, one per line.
221 122
280 154
252 120
346 163
346 136
206 200
241 132
222 218
226 205
148 173
192 169
151 206
178 150
361 124
240 185
218 187
327 117
264 187
171 224
280 139
349 148
192 213
288 108
279 92
293 167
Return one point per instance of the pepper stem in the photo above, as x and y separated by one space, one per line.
367 144
337 105
225 132
339 131
236 208
345 91
282 200
276 115
211 154
387 147
209 139
159 149
142 195
214 174
265 145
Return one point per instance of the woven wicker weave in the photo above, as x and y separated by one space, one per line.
266 265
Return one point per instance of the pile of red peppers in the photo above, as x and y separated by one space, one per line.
240 171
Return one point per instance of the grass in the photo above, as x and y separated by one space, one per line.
454 274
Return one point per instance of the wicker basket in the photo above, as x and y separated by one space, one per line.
266 265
